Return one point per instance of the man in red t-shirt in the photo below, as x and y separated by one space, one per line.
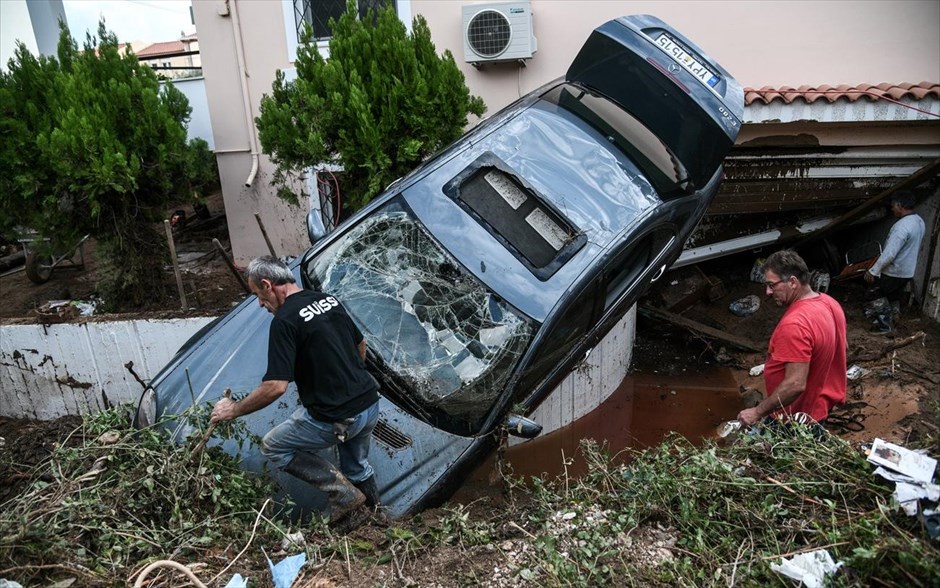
805 367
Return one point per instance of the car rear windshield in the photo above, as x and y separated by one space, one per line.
444 346
651 155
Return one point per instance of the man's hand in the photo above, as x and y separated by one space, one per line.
869 277
224 410
749 416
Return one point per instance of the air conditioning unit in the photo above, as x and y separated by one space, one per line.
501 31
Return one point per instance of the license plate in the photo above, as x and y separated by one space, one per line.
682 57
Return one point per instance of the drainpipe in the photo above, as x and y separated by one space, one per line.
246 97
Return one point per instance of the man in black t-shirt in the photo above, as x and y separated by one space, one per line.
313 342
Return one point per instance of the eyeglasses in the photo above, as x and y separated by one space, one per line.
772 285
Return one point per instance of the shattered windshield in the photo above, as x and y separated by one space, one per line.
448 342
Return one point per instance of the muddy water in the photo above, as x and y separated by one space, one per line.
640 413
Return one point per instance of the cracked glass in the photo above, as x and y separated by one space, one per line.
446 343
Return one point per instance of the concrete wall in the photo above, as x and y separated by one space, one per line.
70 369
231 89
200 121
592 382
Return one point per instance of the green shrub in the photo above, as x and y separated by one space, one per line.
380 104
92 144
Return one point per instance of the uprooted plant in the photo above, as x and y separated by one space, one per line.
112 499
718 516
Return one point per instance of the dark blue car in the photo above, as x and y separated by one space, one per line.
481 278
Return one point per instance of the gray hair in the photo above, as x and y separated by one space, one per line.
786 264
269 268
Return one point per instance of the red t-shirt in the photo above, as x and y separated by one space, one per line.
811 330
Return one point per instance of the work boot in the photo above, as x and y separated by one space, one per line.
342 496
373 501
371 491
352 521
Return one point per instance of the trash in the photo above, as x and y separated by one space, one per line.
811 567
757 370
285 572
745 306
757 270
932 523
237 581
4 583
907 491
880 311
856 372
819 281
915 465
728 428
293 540
877 306
911 471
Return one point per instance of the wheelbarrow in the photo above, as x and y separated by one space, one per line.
39 265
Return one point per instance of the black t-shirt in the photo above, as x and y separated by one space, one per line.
313 342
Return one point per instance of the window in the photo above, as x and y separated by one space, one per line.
563 335
622 275
317 13
629 134
444 344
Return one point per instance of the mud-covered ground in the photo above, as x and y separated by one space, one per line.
897 399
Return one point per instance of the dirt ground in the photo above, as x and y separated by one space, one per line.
208 284
896 399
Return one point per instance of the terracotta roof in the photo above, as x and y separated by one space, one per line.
162 49
810 94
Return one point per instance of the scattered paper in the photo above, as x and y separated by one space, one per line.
285 572
811 568
908 491
237 581
915 465
757 370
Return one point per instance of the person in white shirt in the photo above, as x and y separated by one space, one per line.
895 267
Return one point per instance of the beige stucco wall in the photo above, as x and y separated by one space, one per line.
774 43
265 51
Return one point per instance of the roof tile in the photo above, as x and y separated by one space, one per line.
810 94
162 49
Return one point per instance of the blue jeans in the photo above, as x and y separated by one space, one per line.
302 432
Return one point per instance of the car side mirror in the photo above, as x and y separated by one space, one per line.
519 426
315 228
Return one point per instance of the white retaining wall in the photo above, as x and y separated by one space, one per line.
49 371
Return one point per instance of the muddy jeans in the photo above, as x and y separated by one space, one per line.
302 432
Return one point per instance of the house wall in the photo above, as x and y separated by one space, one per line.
762 43
262 36
193 61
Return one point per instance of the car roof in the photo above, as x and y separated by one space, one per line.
569 167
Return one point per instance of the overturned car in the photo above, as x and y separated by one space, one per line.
480 279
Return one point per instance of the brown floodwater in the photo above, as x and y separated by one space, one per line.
640 413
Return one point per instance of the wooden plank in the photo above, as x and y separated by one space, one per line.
924 174
681 321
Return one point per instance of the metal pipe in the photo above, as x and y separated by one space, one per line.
246 96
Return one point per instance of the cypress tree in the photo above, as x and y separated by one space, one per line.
94 145
381 103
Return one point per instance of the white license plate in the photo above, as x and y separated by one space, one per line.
692 65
